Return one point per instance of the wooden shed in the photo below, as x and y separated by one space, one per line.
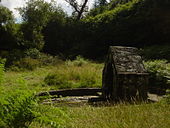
124 75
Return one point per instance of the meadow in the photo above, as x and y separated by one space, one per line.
22 109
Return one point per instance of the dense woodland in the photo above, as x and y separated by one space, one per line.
47 28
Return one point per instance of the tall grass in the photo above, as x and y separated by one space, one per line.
17 97
78 73
121 116
16 106
2 62
50 117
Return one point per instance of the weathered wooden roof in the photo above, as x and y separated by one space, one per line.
127 60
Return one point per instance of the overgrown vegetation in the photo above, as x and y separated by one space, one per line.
78 73
156 52
17 109
47 28
41 54
2 62
17 106
30 60
122 115
159 75
71 74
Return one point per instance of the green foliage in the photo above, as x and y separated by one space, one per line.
2 62
60 80
120 116
37 12
50 116
58 33
6 15
130 23
110 15
14 55
46 60
25 63
167 98
79 61
18 58
46 27
7 29
86 116
78 73
17 106
29 59
16 109
159 71
32 53
36 15
156 52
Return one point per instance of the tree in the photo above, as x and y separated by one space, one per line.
7 30
100 3
79 9
56 33
35 15
5 16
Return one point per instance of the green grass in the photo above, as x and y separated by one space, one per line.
121 116
50 117
153 115
70 76
86 75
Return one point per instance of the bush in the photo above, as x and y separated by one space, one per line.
159 74
47 59
13 56
32 53
17 109
79 61
31 59
25 64
17 106
156 52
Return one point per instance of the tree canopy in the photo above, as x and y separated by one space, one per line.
47 28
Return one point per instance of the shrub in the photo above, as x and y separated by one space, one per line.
25 63
47 59
50 116
13 56
17 106
167 99
16 110
159 74
32 53
79 61
156 52
31 60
